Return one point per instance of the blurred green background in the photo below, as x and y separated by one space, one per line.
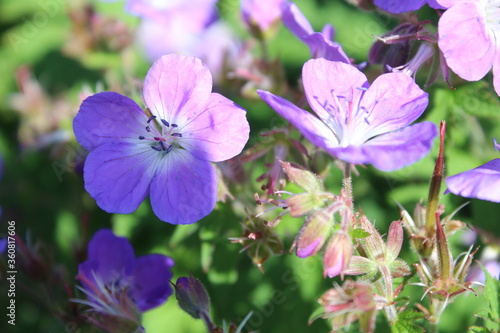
42 187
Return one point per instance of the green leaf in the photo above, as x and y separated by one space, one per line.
318 313
492 295
405 322
359 233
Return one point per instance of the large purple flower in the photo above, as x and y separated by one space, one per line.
320 44
468 38
359 123
166 155
112 267
401 6
482 182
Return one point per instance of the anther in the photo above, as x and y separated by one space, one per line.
165 122
168 149
148 129
155 148
162 146
179 135
141 137
151 118
175 125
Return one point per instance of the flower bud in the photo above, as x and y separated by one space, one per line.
337 255
304 178
192 297
314 233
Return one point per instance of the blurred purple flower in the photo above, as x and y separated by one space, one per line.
359 123
468 35
401 6
189 27
482 182
320 44
167 154
112 267
261 14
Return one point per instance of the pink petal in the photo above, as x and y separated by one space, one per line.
108 117
310 126
218 133
294 20
328 86
496 72
118 176
177 88
184 189
465 40
393 101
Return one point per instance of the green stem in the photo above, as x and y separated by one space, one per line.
347 183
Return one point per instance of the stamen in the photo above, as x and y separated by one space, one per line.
151 118
175 125
179 135
155 148
162 145
168 149
141 137
157 138
148 129
165 122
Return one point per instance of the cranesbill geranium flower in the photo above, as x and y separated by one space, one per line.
401 6
359 123
320 44
469 31
165 154
261 15
117 283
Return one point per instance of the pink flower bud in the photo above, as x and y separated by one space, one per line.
314 233
337 255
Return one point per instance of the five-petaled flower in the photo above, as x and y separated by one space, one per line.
359 123
112 273
167 154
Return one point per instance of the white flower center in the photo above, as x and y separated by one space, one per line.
163 134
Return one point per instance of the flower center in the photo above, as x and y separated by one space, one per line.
164 135
492 14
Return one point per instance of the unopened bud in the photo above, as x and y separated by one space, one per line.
314 233
192 297
304 178
337 255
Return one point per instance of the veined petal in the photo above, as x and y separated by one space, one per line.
108 117
177 88
482 182
330 88
218 133
393 101
465 40
109 257
321 47
395 150
150 287
310 126
294 20
184 189
118 176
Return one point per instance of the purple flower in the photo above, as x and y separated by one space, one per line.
320 44
261 14
167 154
482 182
468 34
359 123
401 6
112 269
